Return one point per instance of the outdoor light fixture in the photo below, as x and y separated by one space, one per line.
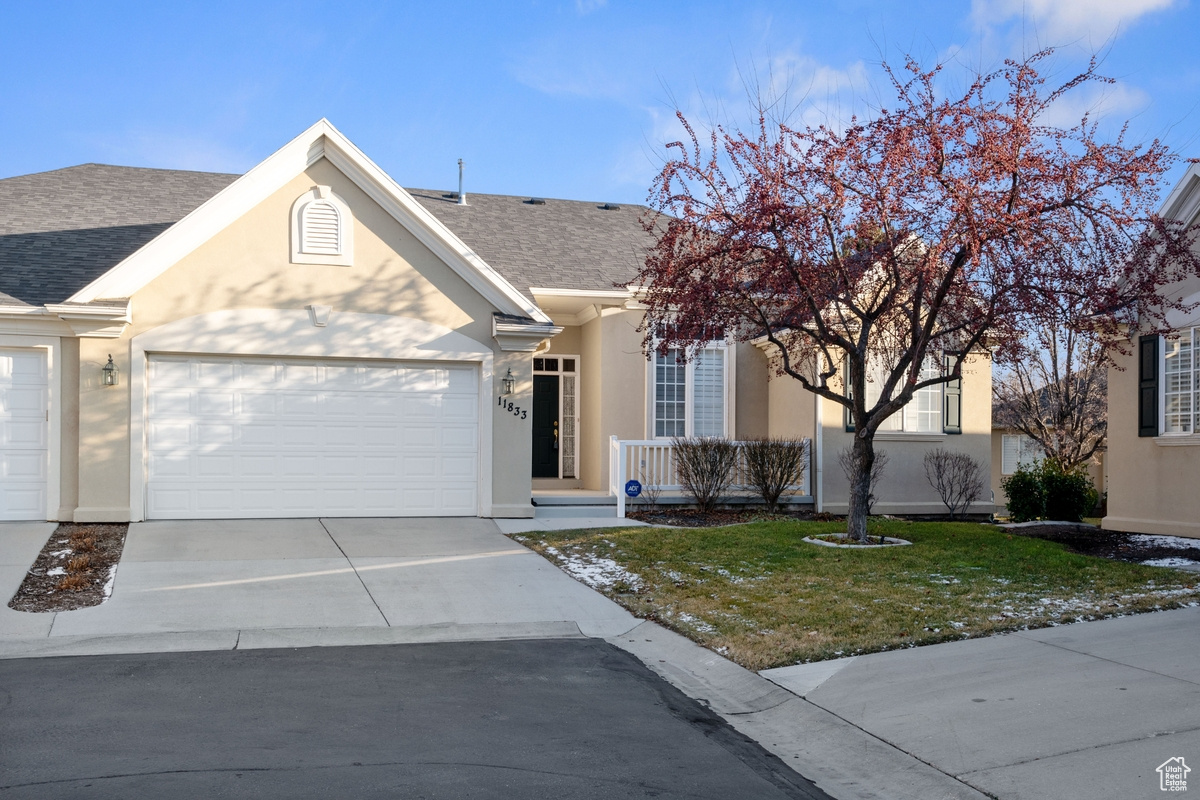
510 383
111 376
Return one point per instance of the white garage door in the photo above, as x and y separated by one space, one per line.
23 429
248 437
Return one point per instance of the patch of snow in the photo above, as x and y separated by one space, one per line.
1175 561
54 572
108 584
1176 542
599 573
61 553
697 623
937 577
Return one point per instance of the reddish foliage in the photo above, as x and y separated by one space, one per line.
942 225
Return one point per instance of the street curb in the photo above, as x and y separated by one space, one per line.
819 745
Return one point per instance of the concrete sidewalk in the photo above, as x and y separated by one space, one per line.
1088 710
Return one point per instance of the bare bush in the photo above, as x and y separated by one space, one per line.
846 462
958 478
705 466
651 488
773 466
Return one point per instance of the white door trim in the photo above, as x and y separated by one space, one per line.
284 333
52 348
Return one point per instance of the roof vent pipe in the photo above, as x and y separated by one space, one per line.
462 198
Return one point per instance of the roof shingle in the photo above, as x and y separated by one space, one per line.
61 230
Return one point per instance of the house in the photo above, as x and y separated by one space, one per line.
311 339
1154 409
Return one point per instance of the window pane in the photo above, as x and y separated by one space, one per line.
1178 384
669 395
708 386
568 365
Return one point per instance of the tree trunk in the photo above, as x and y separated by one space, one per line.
863 453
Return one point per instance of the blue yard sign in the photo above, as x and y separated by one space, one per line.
633 488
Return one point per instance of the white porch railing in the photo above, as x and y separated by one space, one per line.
652 463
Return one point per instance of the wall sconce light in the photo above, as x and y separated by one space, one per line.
111 376
510 383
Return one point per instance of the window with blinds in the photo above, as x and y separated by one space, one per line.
690 397
1018 450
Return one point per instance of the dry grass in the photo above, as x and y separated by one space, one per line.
73 583
761 596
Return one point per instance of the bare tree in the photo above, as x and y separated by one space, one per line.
846 462
1052 386
958 478
774 465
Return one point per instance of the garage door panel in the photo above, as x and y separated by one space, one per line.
301 438
459 437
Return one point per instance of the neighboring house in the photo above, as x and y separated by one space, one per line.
311 339
1154 410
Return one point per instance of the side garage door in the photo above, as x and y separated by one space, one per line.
23 435
248 437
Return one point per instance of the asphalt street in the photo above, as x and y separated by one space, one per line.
560 718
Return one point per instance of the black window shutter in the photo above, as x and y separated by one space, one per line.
847 412
1148 386
952 403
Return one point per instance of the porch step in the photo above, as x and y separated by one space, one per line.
608 511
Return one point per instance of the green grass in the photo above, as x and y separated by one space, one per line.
761 596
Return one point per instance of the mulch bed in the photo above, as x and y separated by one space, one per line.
1092 541
691 518
74 568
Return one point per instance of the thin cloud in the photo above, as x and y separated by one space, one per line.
1058 21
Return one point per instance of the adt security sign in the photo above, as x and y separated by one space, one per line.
633 488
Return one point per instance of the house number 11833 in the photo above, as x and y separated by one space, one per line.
516 410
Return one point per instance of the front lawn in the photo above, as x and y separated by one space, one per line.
759 595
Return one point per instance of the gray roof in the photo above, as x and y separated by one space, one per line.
61 230
561 244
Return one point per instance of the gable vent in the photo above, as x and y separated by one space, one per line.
321 226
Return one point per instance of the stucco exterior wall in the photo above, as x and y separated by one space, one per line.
903 487
752 393
247 265
1151 480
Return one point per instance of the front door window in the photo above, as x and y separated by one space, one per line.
555 416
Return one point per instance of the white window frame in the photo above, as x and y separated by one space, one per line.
345 255
730 379
560 372
937 389
1025 443
1194 389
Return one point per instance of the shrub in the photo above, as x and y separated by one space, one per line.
774 465
1026 497
705 467
1069 493
1048 491
958 478
878 466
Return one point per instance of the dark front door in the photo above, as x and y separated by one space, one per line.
545 426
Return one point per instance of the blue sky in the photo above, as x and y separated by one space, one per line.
559 99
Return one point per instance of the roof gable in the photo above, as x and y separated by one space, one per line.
321 140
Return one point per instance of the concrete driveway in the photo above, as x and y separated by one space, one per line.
215 584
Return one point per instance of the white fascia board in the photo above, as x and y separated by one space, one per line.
96 320
522 337
1183 203
235 200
